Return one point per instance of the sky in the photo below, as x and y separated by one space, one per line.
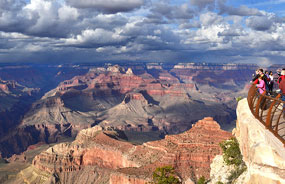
89 31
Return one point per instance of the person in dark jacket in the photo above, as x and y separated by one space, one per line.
255 77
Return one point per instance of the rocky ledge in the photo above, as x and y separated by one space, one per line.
262 152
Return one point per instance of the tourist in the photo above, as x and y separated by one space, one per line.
282 88
267 74
255 77
271 82
260 85
281 77
264 78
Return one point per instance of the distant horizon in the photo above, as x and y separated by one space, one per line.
77 31
126 63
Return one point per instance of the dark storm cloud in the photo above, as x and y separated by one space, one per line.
107 6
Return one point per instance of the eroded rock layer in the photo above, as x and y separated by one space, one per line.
98 153
151 97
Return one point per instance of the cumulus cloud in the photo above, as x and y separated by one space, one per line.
40 18
108 6
95 38
141 30
210 18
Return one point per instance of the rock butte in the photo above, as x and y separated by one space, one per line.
97 151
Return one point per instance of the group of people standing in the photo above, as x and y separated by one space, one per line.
264 81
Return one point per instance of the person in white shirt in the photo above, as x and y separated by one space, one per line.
271 82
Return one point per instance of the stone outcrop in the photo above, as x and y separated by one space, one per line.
263 153
190 153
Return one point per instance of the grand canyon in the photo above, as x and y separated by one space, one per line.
111 123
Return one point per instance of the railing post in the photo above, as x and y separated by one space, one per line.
261 97
269 113
251 95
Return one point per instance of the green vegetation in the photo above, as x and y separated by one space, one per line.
219 182
237 172
231 152
202 180
233 156
165 175
238 98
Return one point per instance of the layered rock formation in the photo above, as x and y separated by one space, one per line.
99 155
165 98
20 86
14 101
154 100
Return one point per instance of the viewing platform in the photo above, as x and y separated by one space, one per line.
260 131
269 111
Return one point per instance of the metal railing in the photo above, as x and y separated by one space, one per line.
269 111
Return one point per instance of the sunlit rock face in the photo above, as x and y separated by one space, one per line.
262 152
101 152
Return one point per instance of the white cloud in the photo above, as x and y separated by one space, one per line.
97 37
140 29
210 18
66 13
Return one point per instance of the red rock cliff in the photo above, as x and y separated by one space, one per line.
190 153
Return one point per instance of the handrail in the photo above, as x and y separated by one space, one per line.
269 111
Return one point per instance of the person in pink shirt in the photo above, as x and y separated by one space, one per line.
261 85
